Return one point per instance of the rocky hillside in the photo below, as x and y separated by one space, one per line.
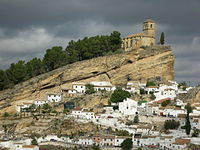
142 64
193 95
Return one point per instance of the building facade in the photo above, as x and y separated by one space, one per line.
145 38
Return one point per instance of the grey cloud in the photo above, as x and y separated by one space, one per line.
29 27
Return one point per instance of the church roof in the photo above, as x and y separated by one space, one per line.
138 35
149 20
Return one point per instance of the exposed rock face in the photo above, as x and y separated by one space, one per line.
193 95
141 64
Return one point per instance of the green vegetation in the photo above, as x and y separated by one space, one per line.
46 108
34 142
52 147
122 133
187 122
142 91
56 57
152 97
162 38
171 124
195 132
165 103
95 147
127 144
136 119
183 85
89 89
141 102
150 83
119 95
6 114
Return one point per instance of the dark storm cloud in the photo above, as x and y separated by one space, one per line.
29 27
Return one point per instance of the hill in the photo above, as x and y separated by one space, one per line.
141 64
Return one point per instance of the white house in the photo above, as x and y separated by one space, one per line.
53 97
170 111
133 87
152 109
20 107
180 144
69 92
79 87
166 93
28 147
40 102
151 89
128 107
85 141
102 85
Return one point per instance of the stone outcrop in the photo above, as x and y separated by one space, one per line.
141 64
193 95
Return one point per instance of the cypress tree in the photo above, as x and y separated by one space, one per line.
162 38
187 123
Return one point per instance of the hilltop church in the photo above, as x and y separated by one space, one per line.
145 38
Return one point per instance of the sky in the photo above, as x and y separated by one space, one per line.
29 27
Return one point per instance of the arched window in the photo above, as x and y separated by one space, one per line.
151 25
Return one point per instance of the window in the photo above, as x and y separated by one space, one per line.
151 25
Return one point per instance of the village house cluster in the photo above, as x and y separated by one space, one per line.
146 133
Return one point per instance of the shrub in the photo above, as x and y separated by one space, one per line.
89 89
34 142
122 133
150 83
136 119
171 124
142 91
165 103
6 114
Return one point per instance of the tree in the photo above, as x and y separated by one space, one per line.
152 97
162 38
54 58
136 119
34 67
187 122
89 89
195 132
115 40
142 91
4 83
165 103
188 108
32 107
47 107
34 142
119 95
95 147
171 124
127 144
17 72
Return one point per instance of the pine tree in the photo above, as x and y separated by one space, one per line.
162 38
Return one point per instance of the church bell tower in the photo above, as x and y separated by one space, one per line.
149 27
